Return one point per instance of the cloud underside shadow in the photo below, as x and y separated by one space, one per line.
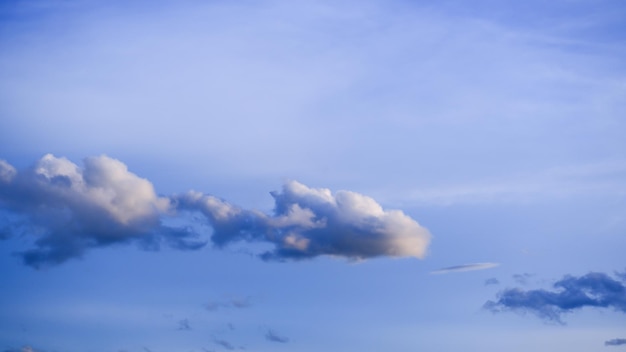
69 210
571 293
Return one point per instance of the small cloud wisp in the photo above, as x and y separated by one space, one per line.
492 281
271 335
465 267
615 342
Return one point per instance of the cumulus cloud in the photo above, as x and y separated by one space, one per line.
309 222
570 293
271 335
465 267
71 209
615 342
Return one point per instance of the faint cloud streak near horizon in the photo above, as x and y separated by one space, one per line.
465 267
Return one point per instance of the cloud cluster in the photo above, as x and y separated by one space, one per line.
72 209
571 293
309 222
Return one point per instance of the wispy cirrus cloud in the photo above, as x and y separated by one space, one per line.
465 267
570 294
71 209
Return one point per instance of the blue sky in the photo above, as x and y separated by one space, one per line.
443 176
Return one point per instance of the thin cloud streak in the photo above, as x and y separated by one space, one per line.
465 267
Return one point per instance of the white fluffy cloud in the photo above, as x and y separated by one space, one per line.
71 209
308 222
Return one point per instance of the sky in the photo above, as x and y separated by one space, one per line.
206 176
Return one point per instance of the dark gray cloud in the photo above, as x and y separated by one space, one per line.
271 335
465 267
615 342
569 294
492 281
69 210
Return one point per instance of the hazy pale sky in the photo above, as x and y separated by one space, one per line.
312 176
